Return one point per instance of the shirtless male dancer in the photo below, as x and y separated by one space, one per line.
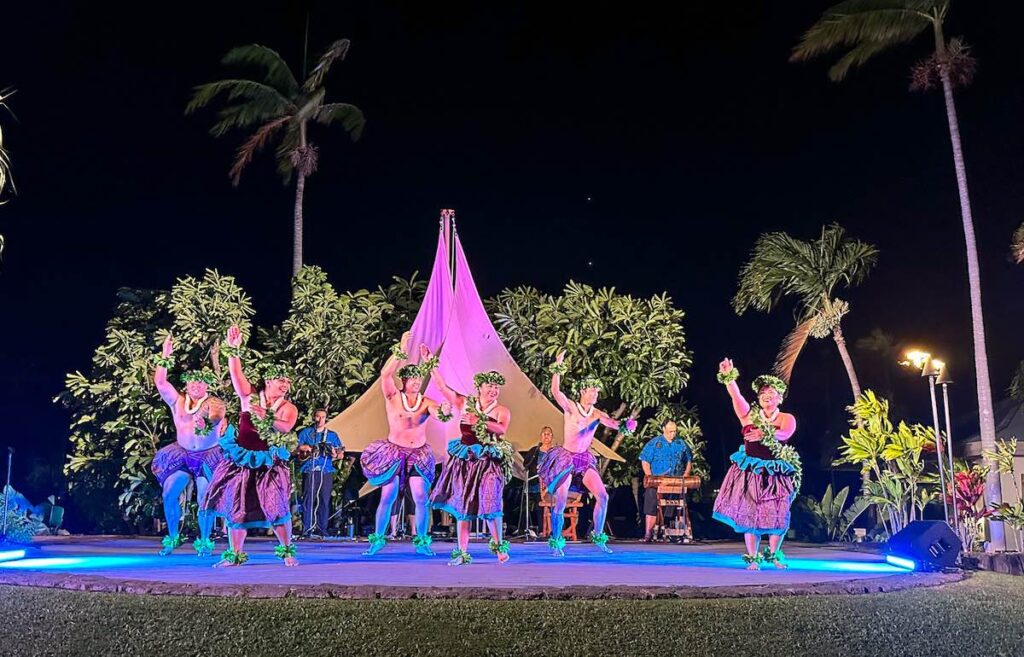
199 423
573 458
403 458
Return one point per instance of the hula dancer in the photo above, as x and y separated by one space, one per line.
765 474
403 458
198 423
472 483
573 459
252 487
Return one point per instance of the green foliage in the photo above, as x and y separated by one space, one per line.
637 347
1011 514
834 518
892 457
865 28
622 473
118 420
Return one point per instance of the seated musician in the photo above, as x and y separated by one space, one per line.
663 456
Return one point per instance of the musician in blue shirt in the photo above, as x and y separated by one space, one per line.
319 447
667 456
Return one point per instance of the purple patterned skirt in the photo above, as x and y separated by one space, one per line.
560 463
251 497
471 485
175 458
755 496
383 460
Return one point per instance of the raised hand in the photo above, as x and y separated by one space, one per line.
631 423
234 337
424 352
446 408
168 346
725 366
406 339
560 357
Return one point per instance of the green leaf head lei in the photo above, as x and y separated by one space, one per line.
482 378
771 381
589 381
204 376
269 371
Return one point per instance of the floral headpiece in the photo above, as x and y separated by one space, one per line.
410 371
493 376
272 371
773 382
587 382
203 376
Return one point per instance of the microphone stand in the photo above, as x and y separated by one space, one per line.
7 495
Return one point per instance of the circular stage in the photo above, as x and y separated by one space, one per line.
337 569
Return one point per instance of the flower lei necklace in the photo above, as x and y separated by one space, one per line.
405 402
779 450
579 407
200 426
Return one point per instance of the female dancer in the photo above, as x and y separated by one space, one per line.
252 486
479 465
765 473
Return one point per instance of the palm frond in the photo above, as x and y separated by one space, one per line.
1017 246
253 145
276 71
794 343
250 103
866 27
337 50
6 180
350 116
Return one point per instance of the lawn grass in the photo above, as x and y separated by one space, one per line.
983 615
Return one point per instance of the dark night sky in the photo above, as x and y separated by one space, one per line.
687 127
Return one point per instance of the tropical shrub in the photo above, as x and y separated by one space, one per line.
891 461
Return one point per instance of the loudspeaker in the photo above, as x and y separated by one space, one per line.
930 544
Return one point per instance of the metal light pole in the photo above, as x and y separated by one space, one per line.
944 380
931 369
7 494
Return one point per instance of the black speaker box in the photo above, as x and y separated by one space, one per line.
930 543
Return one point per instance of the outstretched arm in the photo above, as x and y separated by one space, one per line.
166 389
241 384
454 398
740 406
556 385
391 365
612 423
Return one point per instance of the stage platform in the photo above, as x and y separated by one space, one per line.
337 569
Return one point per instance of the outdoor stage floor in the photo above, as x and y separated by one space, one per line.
338 569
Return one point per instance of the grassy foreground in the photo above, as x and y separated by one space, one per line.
981 616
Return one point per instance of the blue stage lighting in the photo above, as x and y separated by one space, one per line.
902 562
11 555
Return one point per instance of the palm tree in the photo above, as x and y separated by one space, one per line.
5 159
781 265
863 29
279 108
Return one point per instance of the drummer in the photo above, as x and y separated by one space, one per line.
663 456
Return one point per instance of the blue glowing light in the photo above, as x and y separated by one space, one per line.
11 555
906 564
71 562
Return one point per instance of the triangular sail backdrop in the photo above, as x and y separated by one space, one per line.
458 323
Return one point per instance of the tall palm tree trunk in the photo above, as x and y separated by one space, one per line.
300 189
844 353
993 490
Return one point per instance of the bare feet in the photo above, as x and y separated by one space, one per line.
291 561
224 563
753 566
503 557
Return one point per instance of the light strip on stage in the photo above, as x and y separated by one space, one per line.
901 562
11 555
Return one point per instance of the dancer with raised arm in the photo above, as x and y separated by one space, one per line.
765 474
403 458
252 487
573 458
472 483
198 424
